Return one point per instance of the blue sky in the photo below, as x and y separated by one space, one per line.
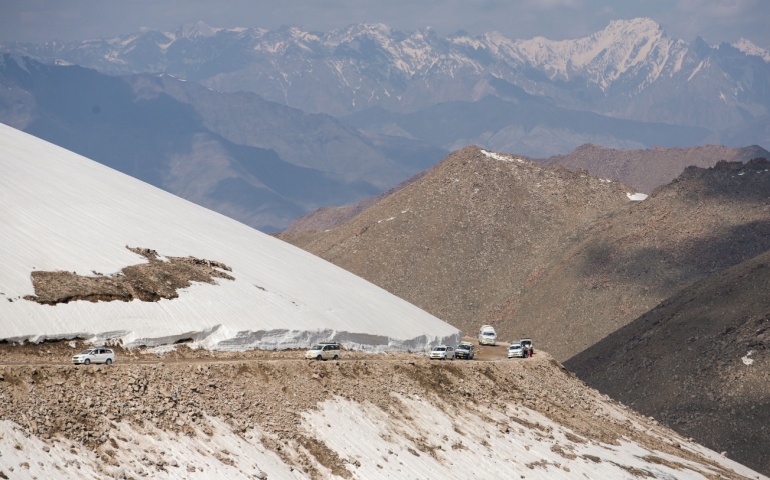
714 20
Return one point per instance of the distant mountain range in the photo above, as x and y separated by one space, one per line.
336 117
630 70
259 162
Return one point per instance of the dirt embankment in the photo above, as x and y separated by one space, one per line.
267 389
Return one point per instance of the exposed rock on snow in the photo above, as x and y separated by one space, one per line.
147 282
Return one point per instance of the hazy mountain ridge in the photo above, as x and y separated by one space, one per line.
260 162
630 69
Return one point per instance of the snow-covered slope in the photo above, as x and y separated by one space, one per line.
62 212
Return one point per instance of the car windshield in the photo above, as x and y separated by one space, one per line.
439 349
317 347
515 346
86 352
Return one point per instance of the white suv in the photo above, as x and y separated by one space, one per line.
324 351
442 352
94 355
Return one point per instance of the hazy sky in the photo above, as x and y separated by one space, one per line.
714 20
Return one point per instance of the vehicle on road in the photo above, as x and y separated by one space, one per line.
516 351
528 346
465 350
94 355
442 352
324 351
487 335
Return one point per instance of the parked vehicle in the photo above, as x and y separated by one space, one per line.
487 335
465 350
526 343
515 350
94 355
324 351
442 352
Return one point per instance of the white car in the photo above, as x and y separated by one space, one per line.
94 355
515 351
442 352
324 351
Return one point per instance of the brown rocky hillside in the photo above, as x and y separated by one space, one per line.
644 170
648 169
330 217
560 256
699 361
472 232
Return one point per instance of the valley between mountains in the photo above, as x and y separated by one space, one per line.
570 260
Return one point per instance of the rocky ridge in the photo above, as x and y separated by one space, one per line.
561 256
651 168
475 229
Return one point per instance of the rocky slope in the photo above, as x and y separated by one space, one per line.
699 362
643 170
544 252
471 233
686 361
325 218
197 414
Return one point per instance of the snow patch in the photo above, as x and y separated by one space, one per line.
746 360
501 157
636 197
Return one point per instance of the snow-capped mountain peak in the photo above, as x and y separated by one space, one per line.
749 48
603 57
196 30
373 65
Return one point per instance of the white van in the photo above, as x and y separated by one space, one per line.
324 351
487 335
